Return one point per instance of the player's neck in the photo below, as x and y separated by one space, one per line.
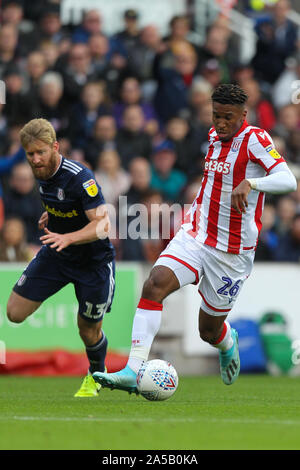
57 166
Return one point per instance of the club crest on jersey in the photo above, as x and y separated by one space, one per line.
236 145
22 280
273 152
60 194
91 187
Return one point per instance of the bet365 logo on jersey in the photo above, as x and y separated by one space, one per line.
218 167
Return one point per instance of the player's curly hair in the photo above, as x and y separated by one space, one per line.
37 129
229 94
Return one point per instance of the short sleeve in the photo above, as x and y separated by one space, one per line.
89 191
261 150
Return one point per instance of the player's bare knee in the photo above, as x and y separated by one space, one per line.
158 285
13 315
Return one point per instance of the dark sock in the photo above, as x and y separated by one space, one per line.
96 355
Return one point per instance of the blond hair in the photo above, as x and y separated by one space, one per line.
37 129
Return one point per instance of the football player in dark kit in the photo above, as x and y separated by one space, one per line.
76 248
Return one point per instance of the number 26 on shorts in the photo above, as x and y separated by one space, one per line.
229 288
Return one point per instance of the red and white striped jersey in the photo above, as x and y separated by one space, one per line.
211 219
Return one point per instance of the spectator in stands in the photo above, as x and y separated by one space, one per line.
132 140
36 67
13 244
21 104
131 93
186 145
287 121
216 47
50 26
180 30
286 210
268 238
21 200
78 71
103 138
260 111
91 24
296 195
8 47
145 222
124 42
142 57
52 104
165 178
242 72
99 49
14 138
92 104
6 165
293 147
189 194
289 244
200 94
3 130
112 178
151 241
277 40
286 89
200 124
174 83
211 72
13 13
50 51
140 176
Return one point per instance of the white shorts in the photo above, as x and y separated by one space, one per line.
221 274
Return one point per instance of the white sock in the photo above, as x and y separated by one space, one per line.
146 324
225 341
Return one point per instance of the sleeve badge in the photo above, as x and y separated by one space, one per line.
91 187
273 152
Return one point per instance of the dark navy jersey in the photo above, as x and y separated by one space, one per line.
66 196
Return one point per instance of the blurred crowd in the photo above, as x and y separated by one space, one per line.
135 108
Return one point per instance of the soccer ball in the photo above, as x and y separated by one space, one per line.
157 380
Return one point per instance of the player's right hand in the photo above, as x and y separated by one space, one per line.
239 196
43 222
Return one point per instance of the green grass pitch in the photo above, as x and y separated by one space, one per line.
257 412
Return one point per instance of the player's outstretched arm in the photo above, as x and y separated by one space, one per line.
97 228
279 181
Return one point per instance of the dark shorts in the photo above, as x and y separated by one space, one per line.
94 284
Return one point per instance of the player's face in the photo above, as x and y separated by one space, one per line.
227 119
43 158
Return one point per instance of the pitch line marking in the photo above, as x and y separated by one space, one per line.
152 420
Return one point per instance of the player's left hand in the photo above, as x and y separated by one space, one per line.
239 197
55 240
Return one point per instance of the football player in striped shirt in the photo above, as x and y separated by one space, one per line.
215 246
76 248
